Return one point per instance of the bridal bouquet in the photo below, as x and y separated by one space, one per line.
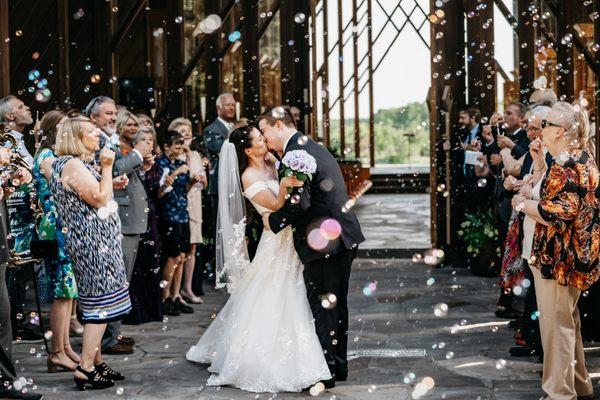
299 163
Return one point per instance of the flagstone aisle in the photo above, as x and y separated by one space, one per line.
395 342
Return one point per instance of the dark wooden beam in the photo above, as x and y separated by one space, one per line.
355 79
127 23
370 71
4 49
324 73
564 53
201 48
481 62
250 60
267 20
175 96
295 75
447 52
213 64
526 62
64 58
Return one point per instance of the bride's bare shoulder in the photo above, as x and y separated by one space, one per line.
249 177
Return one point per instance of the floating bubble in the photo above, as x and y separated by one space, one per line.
178 19
500 364
449 355
78 14
95 78
19 33
234 36
567 39
103 213
482 182
163 284
330 229
326 184
112 206
430 281
316 240
120 391
302 140
299 18
48 335
317 389
409 378
33 74
417 257
278 112
440 310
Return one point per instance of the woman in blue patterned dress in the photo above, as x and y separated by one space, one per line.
58 279
91 225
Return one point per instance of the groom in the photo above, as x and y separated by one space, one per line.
326 252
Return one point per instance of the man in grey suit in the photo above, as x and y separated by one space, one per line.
133 209
214 136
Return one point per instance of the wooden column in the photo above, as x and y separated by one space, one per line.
480 48
355 79
340 61
103 15
370 69
526 62
565 51
250 59
4 50
447 52
213 65
295 75
325 77
64 80
174 47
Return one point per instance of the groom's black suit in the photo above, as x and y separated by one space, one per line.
328 270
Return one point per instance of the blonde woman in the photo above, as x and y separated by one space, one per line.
194 162
565 246
92 228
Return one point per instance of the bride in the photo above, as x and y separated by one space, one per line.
264 338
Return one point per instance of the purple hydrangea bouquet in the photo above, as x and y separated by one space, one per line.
299 163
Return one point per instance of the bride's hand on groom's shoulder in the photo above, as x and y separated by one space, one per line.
265 218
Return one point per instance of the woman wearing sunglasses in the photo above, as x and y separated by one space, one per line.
565 247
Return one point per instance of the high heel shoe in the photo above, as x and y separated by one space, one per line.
53 366
191 298
94 379
109 373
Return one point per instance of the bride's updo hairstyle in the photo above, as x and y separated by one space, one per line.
241 138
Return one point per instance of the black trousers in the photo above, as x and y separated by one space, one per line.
16 281
323 277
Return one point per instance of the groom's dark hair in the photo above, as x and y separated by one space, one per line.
279 113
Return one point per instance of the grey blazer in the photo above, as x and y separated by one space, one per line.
214 136
133 200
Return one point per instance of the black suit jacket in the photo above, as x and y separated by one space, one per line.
320 199
214 136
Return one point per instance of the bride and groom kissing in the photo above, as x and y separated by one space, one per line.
284 327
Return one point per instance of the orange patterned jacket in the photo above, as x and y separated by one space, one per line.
568 249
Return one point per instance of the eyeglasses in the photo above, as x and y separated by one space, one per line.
546 123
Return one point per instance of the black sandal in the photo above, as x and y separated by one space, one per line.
94 379
109 373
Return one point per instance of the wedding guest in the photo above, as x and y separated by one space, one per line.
295 115
8 372
133 202
174 220
145 121
144 287
519 240
214 136
102 111
511 135
60 279
565 247
87 211
17 116
194 162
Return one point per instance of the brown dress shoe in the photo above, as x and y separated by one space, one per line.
127 341
118 349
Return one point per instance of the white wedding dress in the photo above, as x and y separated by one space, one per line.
264 338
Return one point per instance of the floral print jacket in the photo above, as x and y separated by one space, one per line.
567 250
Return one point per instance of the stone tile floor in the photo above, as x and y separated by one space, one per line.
393 334
395 221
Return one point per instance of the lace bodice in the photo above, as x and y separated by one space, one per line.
257 187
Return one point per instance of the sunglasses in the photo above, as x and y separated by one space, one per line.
546 123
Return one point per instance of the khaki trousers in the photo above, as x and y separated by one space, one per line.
565 376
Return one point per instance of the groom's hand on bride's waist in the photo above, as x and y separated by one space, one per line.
265 218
